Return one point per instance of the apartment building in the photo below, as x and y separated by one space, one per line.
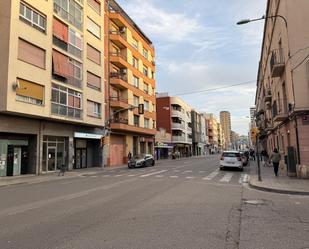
252 117
198 134
225 120
212 124
51 86
131 81
175 117
282 101
221 137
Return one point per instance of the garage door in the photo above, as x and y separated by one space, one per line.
116 150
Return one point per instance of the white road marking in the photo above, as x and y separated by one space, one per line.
202 171
93 176
211 175
117 175
131 175
159 176
153 173
187 171
173 176
227 177
190 177
106 175
241 179
246 178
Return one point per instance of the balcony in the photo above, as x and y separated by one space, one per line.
177 114
277 63
119 59
268 96
179 139
119 38
68 16
119 80
279 114
119 103
177 126
122 125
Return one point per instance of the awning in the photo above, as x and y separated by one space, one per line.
164 146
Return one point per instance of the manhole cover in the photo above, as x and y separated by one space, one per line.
254 202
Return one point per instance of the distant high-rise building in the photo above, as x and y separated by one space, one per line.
225 120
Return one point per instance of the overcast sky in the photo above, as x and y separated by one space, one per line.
199 46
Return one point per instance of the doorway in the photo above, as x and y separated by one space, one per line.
51 159
81 158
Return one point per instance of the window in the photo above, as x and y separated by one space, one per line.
31 54
95 5
145 53
66 102
93 81
146 105
154 124
70 11
135 43
146 123
145 71
30 92
32 17
93 109
136 120
135 62
135 100
93 54
94 28
135 81
67 70
75 43
146 88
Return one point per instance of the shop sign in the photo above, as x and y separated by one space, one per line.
87 135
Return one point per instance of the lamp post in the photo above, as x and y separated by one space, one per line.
245 21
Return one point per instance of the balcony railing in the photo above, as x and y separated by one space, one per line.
178 138
116 75
178 126
118 54
176 113
116 32
280 110
277 63
120 120
67 16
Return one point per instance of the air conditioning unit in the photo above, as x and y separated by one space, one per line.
15 85
122 30
123 71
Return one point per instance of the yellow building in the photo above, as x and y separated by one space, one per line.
51 85
130 73
225 120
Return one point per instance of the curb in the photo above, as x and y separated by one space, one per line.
280 191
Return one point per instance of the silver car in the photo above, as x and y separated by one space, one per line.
143 160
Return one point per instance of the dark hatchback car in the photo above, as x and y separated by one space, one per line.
143 160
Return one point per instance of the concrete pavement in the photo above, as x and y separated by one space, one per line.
281 184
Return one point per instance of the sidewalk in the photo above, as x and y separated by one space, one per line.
53 176
281 184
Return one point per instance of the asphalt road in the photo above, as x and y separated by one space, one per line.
183 204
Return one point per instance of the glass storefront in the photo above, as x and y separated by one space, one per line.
54 153
13 157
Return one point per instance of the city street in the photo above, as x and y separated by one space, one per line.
186 203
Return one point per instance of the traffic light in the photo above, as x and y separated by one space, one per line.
141 109
254 133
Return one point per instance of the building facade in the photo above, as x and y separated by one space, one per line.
198 133
131 81
175 117
212 124
51 102
282 101
163 144
225 121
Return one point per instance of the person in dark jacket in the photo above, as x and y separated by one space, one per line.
275 158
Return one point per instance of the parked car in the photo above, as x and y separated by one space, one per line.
142 160
231 159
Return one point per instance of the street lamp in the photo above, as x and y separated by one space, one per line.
245 21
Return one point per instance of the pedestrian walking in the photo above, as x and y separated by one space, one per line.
62 169
129 155
275 158
252 155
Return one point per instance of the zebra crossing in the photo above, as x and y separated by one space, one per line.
216 175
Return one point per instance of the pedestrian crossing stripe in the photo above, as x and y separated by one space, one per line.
227 177
211 175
